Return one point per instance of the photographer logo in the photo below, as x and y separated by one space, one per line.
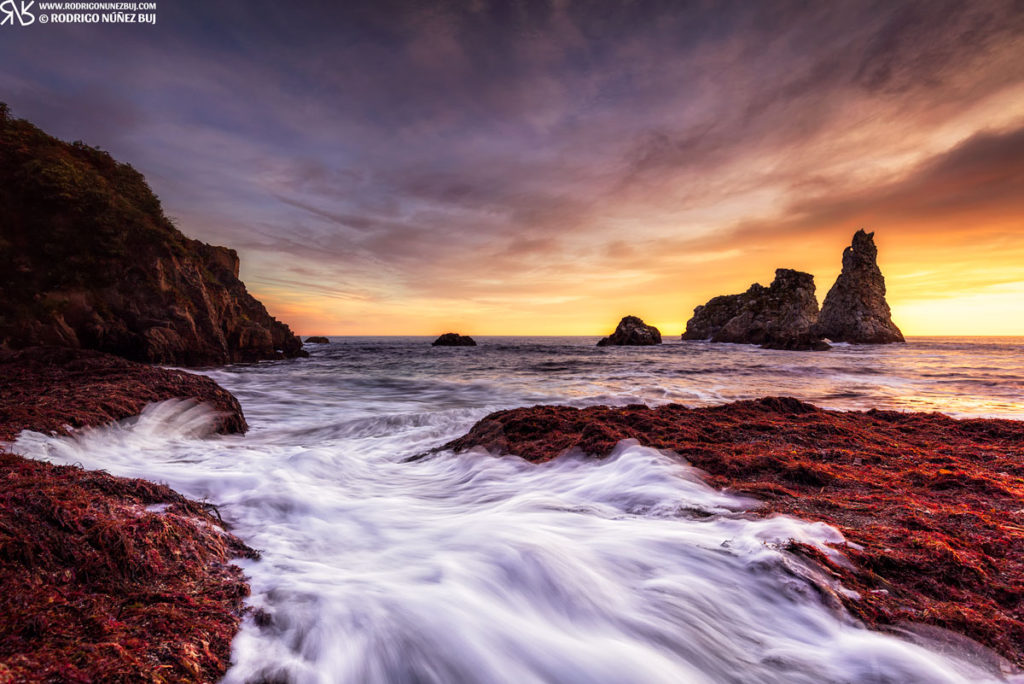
11 10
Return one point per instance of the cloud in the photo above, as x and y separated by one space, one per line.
448 154
976 181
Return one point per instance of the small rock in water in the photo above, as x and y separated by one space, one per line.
454 340
632 331
317 339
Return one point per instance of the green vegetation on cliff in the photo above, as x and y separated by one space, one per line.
88 259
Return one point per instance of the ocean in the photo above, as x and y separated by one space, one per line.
473 568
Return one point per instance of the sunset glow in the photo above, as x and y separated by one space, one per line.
445 171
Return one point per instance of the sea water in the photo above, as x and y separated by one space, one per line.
477 568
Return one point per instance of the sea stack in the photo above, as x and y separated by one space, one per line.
454 340
632 332
779 316
317 339
855 309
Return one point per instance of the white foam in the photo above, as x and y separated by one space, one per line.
471 568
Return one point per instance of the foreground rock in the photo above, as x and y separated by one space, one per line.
632 332
49 389
88 259
317 339
855 309
780 315
936 505
98 586
453 340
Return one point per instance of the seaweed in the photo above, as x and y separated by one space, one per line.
105 578
933 507
98 588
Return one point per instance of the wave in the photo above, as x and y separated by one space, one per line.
472 568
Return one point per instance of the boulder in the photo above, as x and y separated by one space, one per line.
632 331
317 339
454 340
89 260
781 314
855 309
54 389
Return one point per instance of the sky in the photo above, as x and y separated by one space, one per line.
549 167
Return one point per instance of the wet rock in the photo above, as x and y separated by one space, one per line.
934 505
855 309
85 562
49 389
317 339
89 260
781 314
453 340
632 332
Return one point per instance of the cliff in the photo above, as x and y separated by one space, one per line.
855 309
88 259
780 315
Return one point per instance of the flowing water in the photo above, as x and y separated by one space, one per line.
472 568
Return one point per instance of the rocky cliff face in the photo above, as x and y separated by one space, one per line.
88 259
780 315
632 332
855 309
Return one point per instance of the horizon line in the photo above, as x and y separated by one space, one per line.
303 335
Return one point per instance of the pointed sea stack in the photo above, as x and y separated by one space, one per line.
632 332
855 309
453 340
779 316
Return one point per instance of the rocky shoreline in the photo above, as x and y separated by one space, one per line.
101 585
114 579
933 508
108 578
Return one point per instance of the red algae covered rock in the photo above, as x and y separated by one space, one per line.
106 578
933 506
101 585
47 389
